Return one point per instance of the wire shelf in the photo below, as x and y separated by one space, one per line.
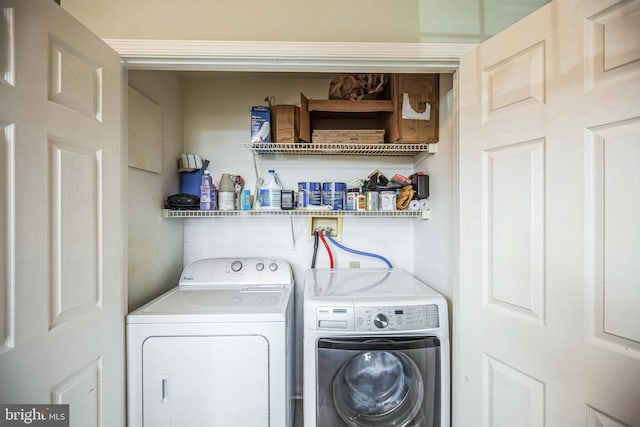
167 213
341 149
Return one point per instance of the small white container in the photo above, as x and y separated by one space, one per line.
388 201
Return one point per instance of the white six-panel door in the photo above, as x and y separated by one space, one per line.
549 297
61 227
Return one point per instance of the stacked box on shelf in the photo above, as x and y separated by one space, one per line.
381 114
344 115
348 136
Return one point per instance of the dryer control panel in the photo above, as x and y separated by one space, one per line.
237 271
402 318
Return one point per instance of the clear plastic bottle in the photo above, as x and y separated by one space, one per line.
226 193
270 192
207 192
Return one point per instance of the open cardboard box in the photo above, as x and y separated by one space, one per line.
411 93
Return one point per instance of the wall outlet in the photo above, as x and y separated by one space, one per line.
326 222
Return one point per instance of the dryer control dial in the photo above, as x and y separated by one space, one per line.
381 321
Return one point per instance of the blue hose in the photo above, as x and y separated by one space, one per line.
344 248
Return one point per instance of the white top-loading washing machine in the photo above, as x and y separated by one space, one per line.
376 350
216 349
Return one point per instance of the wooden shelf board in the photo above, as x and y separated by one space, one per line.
346 106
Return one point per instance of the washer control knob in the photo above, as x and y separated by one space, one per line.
380 320
273 266
260 266
236 266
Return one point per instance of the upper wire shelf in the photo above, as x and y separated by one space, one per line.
341 149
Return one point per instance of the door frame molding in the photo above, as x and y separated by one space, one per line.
213 55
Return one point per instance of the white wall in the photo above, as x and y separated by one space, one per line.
328 20
155 244
433 246
407 21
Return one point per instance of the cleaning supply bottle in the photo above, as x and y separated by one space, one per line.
226 193
270 192
207 192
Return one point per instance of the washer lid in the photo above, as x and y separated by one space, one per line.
374 284
207 304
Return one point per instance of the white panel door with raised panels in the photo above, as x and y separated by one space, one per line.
61 222
548 330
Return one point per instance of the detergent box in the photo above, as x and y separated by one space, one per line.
260 124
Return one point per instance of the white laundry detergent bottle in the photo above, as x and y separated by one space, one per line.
226 194
270 192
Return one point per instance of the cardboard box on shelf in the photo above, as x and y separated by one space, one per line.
415 97
409 116
285 123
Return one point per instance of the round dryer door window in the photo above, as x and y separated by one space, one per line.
375 388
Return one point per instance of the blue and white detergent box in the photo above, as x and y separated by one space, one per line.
260 124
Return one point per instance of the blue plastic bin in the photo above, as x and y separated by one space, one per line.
190 181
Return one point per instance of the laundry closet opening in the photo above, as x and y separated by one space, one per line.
208 113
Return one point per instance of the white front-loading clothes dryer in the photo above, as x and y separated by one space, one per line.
216 349
376 350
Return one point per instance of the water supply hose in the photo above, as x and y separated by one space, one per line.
315 249
344 248
326 245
